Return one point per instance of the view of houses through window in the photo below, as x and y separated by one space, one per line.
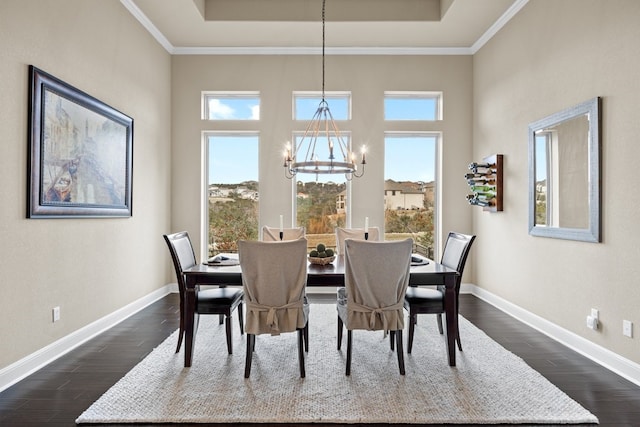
321 201
409 189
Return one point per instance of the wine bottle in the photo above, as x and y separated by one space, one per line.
478 202
481 196
483 171
475 165
483 189
480 174
484 196
481 181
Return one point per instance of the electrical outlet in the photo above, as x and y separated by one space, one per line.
56 313
627 328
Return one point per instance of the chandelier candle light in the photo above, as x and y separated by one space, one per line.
322 128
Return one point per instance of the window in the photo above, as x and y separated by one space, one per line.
410 188
321 200
231 106
413 106
232 189
305 104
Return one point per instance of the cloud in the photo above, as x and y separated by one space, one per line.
220 111
255 112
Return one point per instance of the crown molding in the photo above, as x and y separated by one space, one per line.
418 51
497 26
318 51
148 25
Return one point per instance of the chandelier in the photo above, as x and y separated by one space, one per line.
322 130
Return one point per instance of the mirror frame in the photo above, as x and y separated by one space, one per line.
592 108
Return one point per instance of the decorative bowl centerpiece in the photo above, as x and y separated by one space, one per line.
321 255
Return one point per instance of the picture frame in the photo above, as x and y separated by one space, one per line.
80 153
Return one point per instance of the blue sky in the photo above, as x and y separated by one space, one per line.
234 159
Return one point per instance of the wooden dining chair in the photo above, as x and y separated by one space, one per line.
272 234
376 280
221 301
425 300
274 276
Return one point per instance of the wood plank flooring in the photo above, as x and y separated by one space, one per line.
59 392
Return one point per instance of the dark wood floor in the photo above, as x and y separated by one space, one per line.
58 393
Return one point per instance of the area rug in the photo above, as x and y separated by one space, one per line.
489 385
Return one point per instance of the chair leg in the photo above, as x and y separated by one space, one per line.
412 326
247 363
400 352
228 328
221 319
348 352
306 337
180 335
241 318
301 352
340 327
392 338
440 324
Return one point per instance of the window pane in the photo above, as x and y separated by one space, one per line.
231 106
411 107
321 200
409 189
305 105
232 190
321 207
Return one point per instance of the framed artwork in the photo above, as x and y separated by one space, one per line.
80 154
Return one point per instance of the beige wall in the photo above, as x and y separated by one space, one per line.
88 267
276 77
550 56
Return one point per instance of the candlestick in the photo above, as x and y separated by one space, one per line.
366 228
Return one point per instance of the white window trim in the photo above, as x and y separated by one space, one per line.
437 173
318 94
438 95
206 94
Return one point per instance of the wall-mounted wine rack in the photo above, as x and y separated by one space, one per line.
485 182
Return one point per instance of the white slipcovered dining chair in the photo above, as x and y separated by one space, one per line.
272 234
376 280
274 276
354 233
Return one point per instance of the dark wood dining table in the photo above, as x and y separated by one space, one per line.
431 274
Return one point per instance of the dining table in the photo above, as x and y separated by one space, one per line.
429 273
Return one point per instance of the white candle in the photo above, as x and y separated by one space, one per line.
281 223
366 224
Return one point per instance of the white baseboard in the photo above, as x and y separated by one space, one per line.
28 365
608 359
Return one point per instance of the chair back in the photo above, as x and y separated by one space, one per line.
182 255
456 250
354 233
274 276
376 279
272 234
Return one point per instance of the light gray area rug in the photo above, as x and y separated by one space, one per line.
489 385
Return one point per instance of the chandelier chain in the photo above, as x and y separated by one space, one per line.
322 128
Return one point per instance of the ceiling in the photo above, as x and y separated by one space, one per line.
294 26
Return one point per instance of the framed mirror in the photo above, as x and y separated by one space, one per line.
564 174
